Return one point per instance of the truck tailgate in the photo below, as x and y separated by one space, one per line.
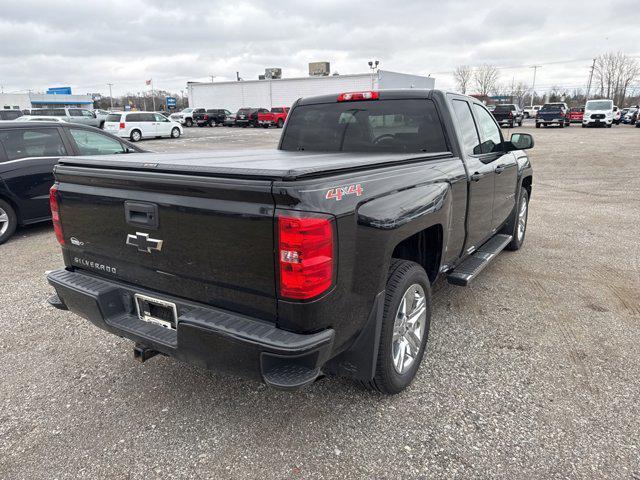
203 239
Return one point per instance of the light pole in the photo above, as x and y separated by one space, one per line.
533 85
110 95
373 65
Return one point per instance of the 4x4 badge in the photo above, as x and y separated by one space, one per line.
143 243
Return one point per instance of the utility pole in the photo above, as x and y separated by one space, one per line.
593 66
533 85
153 96
373 65
212 77
110 94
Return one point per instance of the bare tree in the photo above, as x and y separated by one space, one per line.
613 74
519 91
463 75
486 78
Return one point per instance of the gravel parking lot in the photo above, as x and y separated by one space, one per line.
532 372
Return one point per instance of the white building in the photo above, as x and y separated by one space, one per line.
23 101
283 92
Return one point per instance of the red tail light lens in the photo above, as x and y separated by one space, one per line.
121 125
55 214
305 255
354 96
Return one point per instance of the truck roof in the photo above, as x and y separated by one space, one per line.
254 164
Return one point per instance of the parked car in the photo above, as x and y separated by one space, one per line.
29 118
101 115
553 114
617 115
185 117
249 116
317 257
28 152
576 114
508 114
10 114
531 111
229 120
138 125
211 117
274 118
598 113
82 116
631 116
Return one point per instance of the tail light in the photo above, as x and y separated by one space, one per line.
354 96
206 117
55 214
510 114
305 255
121 125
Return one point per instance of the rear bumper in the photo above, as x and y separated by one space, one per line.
205 336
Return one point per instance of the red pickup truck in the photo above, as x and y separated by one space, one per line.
275 117
576 114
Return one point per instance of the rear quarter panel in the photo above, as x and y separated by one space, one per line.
393 204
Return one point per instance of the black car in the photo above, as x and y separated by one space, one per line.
10 114
249 116
28 152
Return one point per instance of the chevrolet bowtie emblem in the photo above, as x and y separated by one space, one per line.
143 243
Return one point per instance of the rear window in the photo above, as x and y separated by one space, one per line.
245 111
366 126
504 108
10 114
551 108
277 110
33 142
113 117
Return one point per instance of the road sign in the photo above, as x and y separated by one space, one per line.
171 101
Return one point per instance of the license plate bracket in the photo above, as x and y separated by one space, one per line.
156 311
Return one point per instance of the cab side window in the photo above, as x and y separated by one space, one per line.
490 138
93 143
470 139
36 142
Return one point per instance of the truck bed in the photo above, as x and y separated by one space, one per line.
258 164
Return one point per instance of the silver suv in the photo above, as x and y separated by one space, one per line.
82 116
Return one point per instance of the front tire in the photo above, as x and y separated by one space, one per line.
175 132
188 122
405 327
8 221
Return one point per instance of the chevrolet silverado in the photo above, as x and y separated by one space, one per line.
315 258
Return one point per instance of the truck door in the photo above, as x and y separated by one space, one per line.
480 202
503 164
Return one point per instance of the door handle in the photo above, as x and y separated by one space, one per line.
476 177
499 169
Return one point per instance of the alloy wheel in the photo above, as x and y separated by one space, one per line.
409 328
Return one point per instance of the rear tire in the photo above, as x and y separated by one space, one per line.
280 123
212 123
188 122
135 135
101 125
407 282
537 125
561 125
8 221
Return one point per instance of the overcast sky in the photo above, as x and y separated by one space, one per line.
87 44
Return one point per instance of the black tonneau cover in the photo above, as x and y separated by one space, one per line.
263 164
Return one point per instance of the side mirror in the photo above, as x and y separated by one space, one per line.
521 141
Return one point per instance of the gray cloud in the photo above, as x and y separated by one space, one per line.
87 44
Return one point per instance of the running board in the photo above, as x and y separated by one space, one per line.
472 266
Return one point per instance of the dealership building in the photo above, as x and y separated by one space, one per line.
279 92
55 97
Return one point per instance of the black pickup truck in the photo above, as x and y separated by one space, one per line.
508 114
316 257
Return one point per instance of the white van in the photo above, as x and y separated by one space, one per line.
598 113
138 125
